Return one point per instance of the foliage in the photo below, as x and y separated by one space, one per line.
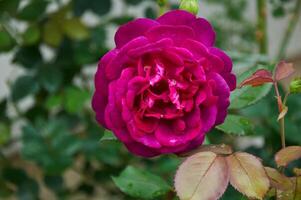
53 144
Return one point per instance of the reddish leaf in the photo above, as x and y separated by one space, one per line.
278 180
247 175
292 193
218 149
287 155
258 78
203 176
283 70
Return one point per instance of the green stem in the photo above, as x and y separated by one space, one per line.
290 29
261 33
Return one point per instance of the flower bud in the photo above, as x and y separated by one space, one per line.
190 6
295 86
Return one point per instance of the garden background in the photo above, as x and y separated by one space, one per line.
50 145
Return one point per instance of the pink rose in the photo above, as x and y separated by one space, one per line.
164 86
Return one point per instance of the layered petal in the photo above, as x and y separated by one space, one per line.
132 30
202 28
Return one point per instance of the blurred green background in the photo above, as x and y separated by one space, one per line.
50 145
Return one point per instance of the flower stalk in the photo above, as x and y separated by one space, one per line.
281 120
261 33
290 29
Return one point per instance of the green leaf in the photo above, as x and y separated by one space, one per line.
236 125
55 183
6 41
52 34
50 78
50 145
150 12
75 29
4 133
98 7
133 2
9 6
24 85
31 35
122 20
141 184
53 101
33 11
29 57
248 95
75 99
108 136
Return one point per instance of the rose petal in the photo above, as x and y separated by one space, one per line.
167 137
202 28
132 30
225 58
141 150
177 33
222 90
208 116
146 139
100 97
118 63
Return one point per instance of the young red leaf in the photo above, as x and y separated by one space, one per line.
278 180
287 155
283 70
221 149
203 176
258 78
247 175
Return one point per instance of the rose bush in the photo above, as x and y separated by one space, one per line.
165 85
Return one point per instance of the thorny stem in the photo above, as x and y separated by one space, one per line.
261 33
281 121
290 29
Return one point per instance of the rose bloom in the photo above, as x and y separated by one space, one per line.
164 86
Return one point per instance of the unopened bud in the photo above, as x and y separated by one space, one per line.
190 6
295 86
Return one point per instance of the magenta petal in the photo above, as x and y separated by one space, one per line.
225 58
152 47
203 30
198 49
230 79
100 97
141 150
222 90
135 87
114 68
177 33
208 116
176 17
120 87
196 142
133 29
115 123
166 135
146 139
